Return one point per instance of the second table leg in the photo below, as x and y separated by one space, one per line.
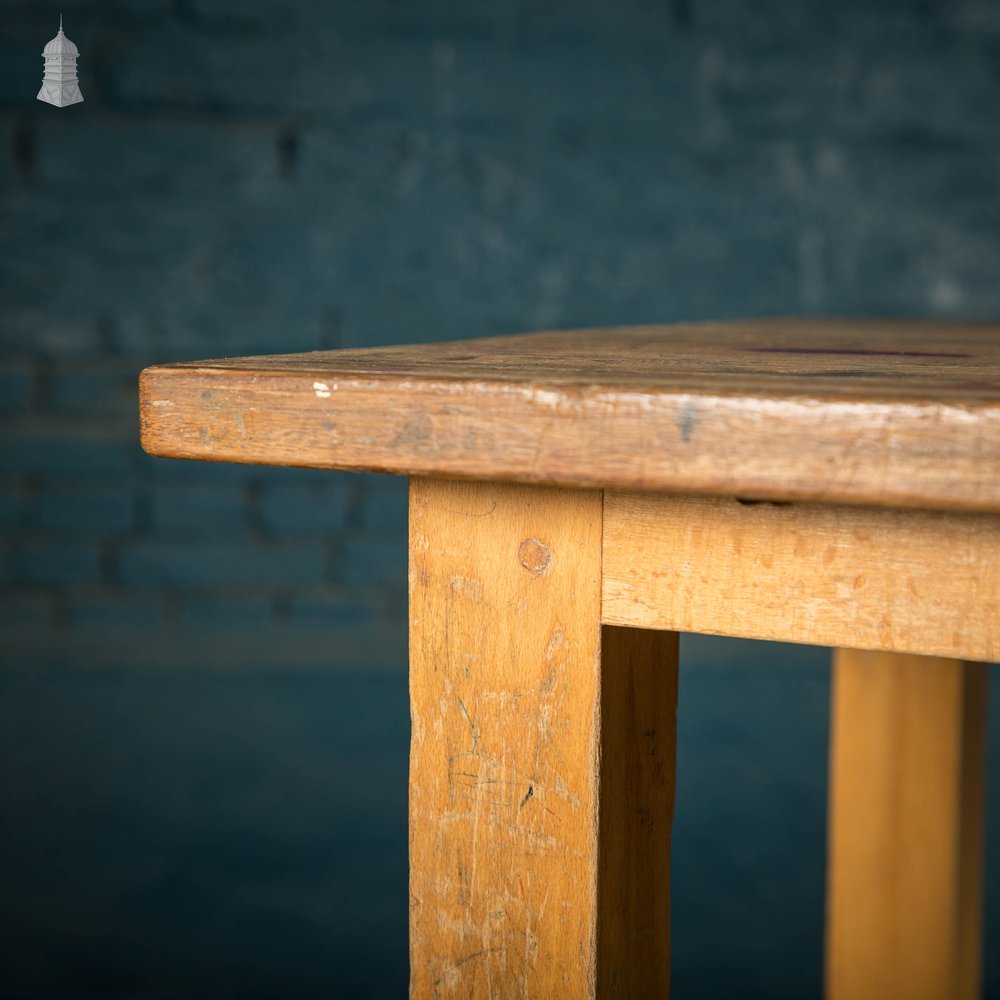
904 894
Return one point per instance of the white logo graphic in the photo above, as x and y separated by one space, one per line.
59 86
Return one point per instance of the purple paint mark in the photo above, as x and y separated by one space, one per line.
854 351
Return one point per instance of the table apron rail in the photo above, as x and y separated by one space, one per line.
908 581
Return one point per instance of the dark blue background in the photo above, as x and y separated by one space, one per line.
203 718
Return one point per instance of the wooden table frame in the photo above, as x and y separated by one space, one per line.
544 621
543 670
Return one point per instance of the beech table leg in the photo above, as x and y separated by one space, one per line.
542 755
906 827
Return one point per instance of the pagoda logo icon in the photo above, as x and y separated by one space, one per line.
59 86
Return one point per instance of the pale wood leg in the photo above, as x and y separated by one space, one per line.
542 755
906 827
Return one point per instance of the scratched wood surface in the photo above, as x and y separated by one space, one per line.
886 413
541 775
904 897
905 580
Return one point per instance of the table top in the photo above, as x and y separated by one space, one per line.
891 413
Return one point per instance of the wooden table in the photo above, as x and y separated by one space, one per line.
579 498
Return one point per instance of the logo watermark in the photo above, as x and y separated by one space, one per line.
59 84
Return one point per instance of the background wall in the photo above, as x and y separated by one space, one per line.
203 719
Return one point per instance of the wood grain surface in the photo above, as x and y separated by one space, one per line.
887 413
904 896
904 580
542 755
637 770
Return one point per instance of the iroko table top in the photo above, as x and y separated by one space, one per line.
890 413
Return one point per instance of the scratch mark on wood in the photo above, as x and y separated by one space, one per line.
472 589
465 513
451 976
524 801
474 749
416 433
686 419
554 643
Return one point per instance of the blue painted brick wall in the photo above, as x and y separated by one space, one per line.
268 177
273 177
